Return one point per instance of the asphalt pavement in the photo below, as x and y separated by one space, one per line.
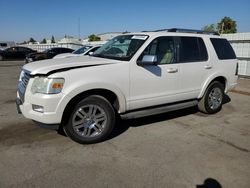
182 149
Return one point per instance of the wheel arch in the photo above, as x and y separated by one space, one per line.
221 79
111 96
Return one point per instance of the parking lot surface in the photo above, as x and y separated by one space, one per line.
179 149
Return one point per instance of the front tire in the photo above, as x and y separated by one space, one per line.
91 121
211 102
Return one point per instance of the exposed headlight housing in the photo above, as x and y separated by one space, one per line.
47 85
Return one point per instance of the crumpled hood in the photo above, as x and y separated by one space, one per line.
53 65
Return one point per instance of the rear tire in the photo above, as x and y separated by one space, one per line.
91 121
211 102
1 58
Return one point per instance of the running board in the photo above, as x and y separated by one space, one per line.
158 110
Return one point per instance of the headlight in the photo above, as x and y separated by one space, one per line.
47 85
21 76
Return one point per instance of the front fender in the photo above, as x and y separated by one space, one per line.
74 91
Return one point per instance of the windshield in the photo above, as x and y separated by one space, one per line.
47 50
82 50
121 47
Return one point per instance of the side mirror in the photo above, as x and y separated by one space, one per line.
148 60
90 53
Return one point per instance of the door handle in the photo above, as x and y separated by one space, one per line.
172 70
208 66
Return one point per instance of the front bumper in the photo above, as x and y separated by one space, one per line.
53 105
18 103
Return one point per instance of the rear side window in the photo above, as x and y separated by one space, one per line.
192 49
223 49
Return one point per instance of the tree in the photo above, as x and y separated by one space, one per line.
32 40
93 38
227 25
210 28
24 42
53 39
44 41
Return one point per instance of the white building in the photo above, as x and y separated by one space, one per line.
241 45
109 35
67 42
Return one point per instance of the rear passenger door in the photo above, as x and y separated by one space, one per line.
194 66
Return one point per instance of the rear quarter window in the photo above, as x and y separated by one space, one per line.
223 49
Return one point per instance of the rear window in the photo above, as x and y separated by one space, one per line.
3 44
223 49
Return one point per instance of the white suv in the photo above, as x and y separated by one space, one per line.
133 75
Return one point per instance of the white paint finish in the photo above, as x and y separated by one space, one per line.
134 86
152 85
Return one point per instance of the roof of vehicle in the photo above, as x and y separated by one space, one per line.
177 32
60 48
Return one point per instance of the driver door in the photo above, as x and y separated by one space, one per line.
152 85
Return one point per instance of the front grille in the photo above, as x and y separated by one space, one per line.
23 82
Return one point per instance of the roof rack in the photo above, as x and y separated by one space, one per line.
186 31
192 31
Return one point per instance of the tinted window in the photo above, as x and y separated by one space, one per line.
203 50
65 50
192 49
53 50
223 49
3 44
162 48
94 49
20 49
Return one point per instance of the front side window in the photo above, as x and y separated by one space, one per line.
121 47
21 49
12 49
162 48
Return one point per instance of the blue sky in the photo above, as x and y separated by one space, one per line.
22 19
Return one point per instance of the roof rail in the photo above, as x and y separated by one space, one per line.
192 31
186 31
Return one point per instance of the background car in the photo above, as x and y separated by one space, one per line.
6 44
17 52
85 50
47 54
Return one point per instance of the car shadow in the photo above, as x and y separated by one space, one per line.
123 125
210 183
226 99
